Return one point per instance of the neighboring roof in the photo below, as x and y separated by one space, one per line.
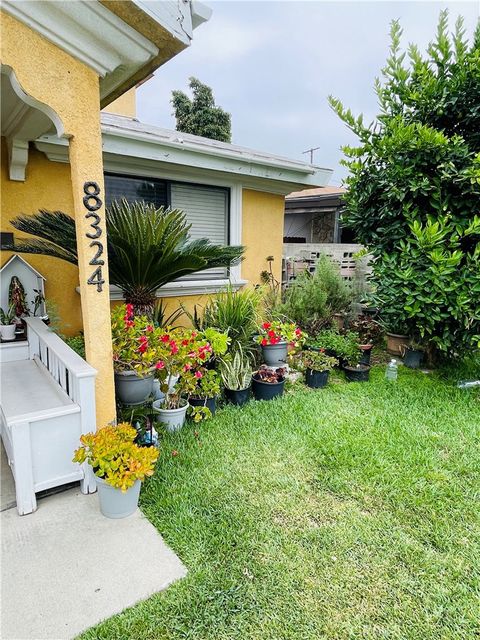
123 42
322 191
128 137
314 201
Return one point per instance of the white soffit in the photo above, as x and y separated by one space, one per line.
89 32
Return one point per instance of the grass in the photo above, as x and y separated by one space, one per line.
345 513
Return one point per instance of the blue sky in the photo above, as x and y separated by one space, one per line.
273 64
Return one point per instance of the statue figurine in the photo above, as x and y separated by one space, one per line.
18 298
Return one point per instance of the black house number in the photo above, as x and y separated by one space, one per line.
92 203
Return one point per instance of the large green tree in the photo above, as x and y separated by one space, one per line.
414 188
199 115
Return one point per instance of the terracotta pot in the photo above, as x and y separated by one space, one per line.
396 343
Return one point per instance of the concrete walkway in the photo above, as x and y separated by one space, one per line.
66 567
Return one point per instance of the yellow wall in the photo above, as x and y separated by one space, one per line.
48 186
126 105
71 89
262 233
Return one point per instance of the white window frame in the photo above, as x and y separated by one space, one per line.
189 287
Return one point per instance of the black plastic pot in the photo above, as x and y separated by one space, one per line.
357 374
238 397
211 403
412 358
267 390
316 379
366 353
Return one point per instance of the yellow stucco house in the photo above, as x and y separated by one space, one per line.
70 140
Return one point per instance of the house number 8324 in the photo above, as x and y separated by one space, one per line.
92 203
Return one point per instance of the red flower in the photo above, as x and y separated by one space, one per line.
184 343
160 365
264 342
129 323
173 348
271 333
298 332
273 341
165 338
266 325
149 328
142 348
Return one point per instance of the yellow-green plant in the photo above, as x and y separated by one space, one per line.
114 457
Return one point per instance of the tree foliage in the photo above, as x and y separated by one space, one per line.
414 188
199 115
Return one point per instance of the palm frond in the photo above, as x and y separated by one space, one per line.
56 230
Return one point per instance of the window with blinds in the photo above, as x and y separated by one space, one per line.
206 208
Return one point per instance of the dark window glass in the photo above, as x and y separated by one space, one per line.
149 190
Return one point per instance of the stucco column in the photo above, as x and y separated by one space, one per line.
86 167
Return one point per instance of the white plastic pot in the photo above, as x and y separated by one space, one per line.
7 331
172 419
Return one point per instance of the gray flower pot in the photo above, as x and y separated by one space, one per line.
275 355
172 419
131 388
114 503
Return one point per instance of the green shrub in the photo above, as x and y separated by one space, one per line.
414 188
312 298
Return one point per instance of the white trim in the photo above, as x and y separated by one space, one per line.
17 159
16 256
129 146
185 288
236 228
89 32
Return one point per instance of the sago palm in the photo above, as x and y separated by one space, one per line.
147 247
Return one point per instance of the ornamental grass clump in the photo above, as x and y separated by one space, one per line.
114 457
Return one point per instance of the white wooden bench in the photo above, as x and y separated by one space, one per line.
47 401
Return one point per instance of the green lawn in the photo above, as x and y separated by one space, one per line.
349 512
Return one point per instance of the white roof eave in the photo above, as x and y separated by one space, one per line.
125 139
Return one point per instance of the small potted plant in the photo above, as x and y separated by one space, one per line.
412 354
275 338
236 375
369 333
268 382
134 343
8 326
354 370
317 366
182 355
203 397
119 466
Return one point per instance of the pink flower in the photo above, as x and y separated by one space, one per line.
165 338
198 374
160 365
187 367
149 328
